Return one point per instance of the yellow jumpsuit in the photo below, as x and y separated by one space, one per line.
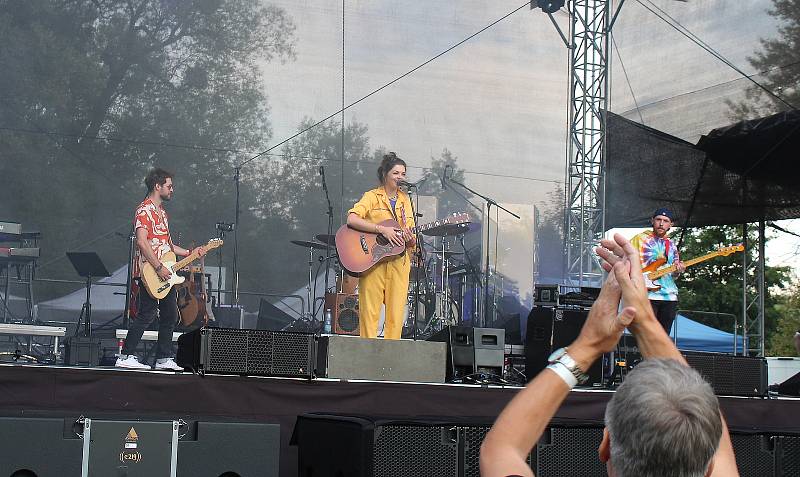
387 282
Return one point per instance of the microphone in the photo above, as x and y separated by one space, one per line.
444 176
406 184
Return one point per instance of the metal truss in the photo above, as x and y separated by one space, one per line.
586 144
753 291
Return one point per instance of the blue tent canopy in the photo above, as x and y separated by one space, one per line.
694 336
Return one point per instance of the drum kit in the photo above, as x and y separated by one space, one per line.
433 270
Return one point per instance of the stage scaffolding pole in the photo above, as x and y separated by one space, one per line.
585 148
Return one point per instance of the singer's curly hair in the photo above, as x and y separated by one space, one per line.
389 161
157 176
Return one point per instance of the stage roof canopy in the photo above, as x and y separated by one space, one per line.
741 173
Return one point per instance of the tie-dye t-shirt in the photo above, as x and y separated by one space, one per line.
652 248
153 219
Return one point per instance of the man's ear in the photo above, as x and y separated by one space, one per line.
604 451
710 468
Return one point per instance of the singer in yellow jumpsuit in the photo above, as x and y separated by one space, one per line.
387 282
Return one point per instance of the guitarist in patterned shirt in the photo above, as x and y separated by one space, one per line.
654 246
151 226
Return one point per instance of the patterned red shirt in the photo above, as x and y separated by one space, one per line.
154 219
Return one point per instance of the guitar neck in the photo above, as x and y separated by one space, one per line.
688 263
186 261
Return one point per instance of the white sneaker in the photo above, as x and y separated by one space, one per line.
129 361
167 364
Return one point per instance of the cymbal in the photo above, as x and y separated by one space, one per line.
325 238
448 229
307 244
447 253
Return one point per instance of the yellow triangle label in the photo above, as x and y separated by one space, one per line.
132 435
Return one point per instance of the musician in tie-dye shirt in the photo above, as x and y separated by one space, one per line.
654 245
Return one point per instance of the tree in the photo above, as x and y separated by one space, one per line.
777 60
95 92
716 285
781 343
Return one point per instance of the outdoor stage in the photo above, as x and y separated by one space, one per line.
28 391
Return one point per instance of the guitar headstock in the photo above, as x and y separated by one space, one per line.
214 243
725 251
458 218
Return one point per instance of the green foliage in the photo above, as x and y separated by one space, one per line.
95 92
716 285
781 343
777 61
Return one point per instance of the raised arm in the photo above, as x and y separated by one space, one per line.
620 258
522 422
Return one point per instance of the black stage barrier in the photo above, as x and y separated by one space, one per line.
51 447
51 391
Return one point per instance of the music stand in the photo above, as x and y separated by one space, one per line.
88 265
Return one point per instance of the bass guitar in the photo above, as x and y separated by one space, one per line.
158 288
652 272
359 251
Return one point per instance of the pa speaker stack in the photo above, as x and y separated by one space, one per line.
551 328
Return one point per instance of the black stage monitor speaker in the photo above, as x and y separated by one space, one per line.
550 329
247 352
472 350
790 387
271 317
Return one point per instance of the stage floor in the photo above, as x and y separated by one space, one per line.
71 392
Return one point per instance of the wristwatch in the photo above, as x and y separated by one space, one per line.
560 356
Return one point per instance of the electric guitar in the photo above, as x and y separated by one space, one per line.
158 288
359 251
652 272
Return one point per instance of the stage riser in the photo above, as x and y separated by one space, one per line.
348 357
360 446
50 448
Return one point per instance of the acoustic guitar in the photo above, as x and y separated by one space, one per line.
158 288
653 273
359 251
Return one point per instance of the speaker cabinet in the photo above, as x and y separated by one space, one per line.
43 447
82 351
731 375
472 350
216 449
344 307
550 329
247 352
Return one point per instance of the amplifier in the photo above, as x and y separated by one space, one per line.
247 352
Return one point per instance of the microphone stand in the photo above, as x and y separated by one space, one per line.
489 203
236 242
327 250
418 237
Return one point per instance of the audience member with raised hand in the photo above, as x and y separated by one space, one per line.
519 426
664 420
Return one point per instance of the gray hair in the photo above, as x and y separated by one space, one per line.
664 420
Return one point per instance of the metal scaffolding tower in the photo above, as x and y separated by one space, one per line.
586 144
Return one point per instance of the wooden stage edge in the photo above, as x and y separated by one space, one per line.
71 392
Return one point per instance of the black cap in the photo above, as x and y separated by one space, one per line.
665 212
